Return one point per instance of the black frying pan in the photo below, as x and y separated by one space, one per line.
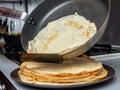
96 11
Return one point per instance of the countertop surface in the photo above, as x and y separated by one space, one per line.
113 60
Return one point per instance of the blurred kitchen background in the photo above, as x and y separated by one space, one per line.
22 5
10 28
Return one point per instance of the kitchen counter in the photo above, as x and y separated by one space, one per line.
113 60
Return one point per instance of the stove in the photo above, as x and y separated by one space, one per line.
14 52
5 84
101 49
112 59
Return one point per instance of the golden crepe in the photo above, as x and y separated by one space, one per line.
79 70
62 35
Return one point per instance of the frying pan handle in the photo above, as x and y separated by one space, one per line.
13 13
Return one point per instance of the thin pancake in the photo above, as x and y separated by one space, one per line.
62 35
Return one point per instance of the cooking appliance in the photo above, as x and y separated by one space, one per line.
5 84
94 10
14 52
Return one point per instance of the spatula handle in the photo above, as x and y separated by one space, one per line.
46 58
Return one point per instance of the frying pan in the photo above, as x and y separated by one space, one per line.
96 11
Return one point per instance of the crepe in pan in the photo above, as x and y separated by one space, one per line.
62 35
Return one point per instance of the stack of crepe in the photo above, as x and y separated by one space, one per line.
62 36
79 70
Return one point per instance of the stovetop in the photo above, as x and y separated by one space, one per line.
101 49
112 60
14 52
5 84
